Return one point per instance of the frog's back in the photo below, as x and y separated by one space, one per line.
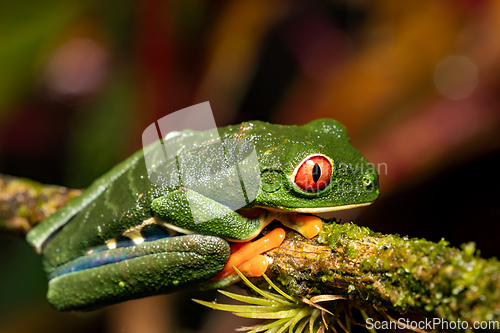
117 191
114 192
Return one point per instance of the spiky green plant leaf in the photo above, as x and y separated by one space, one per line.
287 313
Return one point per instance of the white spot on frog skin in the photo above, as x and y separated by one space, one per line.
138 240
111 244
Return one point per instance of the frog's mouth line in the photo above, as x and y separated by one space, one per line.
314 210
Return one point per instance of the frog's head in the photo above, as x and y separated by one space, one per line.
312 169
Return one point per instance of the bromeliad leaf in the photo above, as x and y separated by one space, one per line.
285 312
248 299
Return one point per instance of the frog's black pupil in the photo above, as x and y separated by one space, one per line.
316 172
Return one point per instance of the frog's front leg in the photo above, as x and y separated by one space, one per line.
187 211
248 258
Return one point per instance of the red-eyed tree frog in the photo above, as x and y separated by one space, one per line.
130 236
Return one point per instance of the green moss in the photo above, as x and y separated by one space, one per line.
412 274
343 236
335 234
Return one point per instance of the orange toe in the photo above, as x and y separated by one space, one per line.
307 225
254 267
245 252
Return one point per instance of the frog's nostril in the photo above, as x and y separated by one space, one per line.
368 181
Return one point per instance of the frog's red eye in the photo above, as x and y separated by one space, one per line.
314 174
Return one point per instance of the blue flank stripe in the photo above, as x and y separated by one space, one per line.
96 259
101 256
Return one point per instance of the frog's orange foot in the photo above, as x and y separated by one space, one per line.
307 225
248 258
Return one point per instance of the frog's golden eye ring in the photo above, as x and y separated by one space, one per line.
314 173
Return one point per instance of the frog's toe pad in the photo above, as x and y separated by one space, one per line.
307 225
254 267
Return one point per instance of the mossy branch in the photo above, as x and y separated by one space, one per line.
384 271
24 203
390 272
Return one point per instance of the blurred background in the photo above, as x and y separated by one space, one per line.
416 83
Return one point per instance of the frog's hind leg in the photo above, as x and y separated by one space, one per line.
150 268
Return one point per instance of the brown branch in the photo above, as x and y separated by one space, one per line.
384 271
390 272
24 203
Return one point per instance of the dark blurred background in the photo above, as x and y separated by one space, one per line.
415 82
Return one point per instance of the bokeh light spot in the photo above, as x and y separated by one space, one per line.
456 77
